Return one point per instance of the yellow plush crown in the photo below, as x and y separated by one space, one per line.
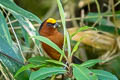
51 20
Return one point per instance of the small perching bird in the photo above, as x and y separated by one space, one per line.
49 30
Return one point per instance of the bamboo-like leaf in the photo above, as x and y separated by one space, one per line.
12 7
30 29
102 21
26 67
76 46
4 32
5 72
56 62
68 44
26 37
27 25
66 35
7 49
61 14
11 58
38 60
50 43
82 73
104 75
43 73
80 29
90 63
7 55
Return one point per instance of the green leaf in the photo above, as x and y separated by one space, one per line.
61 14
11 58
43 73
9 54
79 30
5 71
94 17
9 63
5 51
26 37
29 28
38 60
26 67
66 35
90 63
48 42
12 7
68 44
107 28
8 50
115 65
82 73
4 32
26 25
76 45
56 62
104 75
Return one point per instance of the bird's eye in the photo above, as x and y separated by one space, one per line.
49 24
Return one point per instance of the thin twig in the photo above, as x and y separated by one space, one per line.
114 18
99 19
117 4
8 15
98 8
3 73
72 9
71 19
89 5
13 21
111 58
99 13
8 74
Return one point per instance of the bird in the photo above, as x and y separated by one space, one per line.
49 30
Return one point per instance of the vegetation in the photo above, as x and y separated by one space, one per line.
94 38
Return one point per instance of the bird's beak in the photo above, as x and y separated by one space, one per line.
56 25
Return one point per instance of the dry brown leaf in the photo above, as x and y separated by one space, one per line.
97 39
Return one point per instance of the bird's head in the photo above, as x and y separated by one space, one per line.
49 25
